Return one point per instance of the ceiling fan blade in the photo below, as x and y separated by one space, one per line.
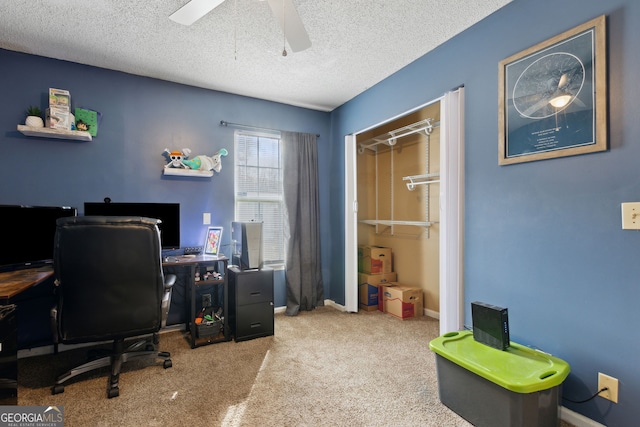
287 16
194 10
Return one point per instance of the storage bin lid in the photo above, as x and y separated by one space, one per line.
518 368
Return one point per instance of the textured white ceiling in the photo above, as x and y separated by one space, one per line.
237 47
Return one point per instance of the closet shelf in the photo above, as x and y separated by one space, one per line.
427 178
76 135
390 138
391 223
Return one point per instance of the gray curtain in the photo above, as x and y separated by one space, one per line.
302 223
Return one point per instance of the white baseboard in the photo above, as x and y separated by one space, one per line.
335 305
576 419
431 313
332 303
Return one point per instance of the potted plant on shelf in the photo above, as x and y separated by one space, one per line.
34 117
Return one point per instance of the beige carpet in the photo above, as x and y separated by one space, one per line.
322 368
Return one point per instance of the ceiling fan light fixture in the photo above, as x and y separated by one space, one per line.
560 101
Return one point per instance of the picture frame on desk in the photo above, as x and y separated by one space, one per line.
212 241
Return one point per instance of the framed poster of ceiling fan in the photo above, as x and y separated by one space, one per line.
553 97
284 12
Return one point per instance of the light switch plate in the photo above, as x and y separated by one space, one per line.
631 216
206 218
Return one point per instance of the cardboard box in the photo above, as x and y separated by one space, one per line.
87 120
59 98
374 259
402 302
368 288
377 279
368 307
368 295
57 118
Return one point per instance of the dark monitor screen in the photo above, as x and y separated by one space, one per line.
29 234
168 213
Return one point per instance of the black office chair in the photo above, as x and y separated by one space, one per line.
110 287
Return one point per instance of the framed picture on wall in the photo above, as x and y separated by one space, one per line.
212 241
553 97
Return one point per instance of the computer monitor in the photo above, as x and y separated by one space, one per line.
29 235
167 213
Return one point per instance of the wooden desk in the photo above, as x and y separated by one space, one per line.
182 260
12 283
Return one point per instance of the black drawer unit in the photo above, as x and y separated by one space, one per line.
251 303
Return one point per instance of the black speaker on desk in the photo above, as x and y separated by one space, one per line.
490 325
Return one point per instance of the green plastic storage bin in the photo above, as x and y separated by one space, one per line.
518 386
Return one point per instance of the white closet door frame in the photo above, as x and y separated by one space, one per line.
351 226
451 212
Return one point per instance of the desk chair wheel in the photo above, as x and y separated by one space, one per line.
113 392
57 389
167 364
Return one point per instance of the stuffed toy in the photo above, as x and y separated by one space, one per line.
176 157
179 159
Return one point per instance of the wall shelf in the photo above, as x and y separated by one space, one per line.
396 222
76 135
188 172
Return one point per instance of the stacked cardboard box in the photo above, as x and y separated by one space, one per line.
375 268
403 302
378 289
58 115
369 285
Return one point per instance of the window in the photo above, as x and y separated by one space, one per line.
258 189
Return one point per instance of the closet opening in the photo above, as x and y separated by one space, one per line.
398 175
404 190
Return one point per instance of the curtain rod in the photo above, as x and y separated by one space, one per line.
239 125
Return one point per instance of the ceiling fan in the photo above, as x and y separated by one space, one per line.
284 11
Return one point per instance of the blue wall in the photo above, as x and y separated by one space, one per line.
141 117
542 238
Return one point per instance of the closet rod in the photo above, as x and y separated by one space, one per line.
240 125
392 136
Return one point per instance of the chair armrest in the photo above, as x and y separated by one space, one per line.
169 281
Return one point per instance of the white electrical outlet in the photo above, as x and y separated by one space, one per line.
206 218
631 216
612 385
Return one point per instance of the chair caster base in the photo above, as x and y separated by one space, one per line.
113 392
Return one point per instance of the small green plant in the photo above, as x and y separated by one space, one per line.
34 111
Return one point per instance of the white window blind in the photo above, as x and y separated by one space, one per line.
258 189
